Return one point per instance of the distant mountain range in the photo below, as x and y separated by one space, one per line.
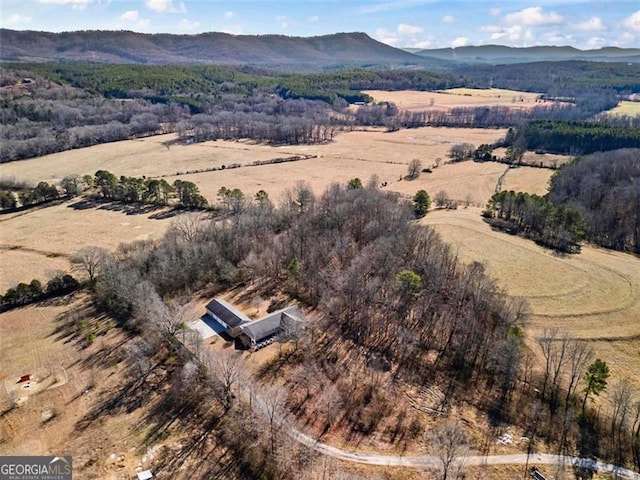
498 54
219 48
324 52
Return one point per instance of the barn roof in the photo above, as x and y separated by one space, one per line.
265 327
227 312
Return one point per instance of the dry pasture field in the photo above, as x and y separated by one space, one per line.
38 243
626 108
527 179
33 339
594 295
413 100
351 154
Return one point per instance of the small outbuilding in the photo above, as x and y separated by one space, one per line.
145 475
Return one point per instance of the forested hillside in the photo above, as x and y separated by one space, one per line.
499 54
605 188
308 53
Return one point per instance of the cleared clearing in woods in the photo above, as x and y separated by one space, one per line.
626 108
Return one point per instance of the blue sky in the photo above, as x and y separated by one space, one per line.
401 23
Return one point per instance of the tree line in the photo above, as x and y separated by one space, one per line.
536 217
27 293
576 137
605 188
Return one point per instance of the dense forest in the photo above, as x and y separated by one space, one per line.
605 188
557 79
577 138
536 217
383 289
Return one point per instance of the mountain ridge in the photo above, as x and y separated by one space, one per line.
504 54
212 47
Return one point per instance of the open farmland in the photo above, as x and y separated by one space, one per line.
82 415
63 229
594 295
36 243
626 108
457 97
527 179
379 152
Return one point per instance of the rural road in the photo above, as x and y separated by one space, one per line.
247 391
429 461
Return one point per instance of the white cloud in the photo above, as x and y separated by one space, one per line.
404 35
515 33
14 20
596 42
490 29
405 29
165 6
632 22
495 12
448 19
131 19
313 19
592 25
284 21
228 14
460 42
188 24
129 16
76 4
533 16
627 37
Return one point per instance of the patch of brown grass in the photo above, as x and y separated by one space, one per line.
527 179
457 97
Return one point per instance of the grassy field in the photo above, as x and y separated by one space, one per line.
626 108
527 179
37 339
594 295
457 97
37 243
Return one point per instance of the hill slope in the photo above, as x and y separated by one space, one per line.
500 54
219 48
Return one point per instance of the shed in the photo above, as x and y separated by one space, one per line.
25 378
145 475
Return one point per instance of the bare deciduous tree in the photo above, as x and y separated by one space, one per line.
228 368
414 169
447 442
90 260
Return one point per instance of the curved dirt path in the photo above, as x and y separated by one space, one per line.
421 461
